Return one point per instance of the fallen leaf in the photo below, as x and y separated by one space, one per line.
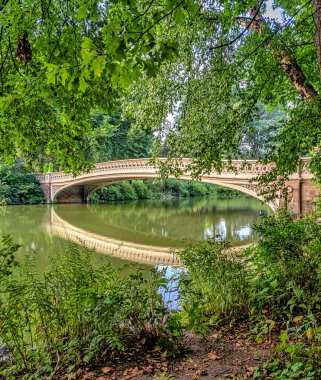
150 360
130 373
107 370
213 356
147 369
71 376
88 376
309 334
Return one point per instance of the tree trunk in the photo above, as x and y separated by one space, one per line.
288 62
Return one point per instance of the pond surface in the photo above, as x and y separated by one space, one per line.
137 231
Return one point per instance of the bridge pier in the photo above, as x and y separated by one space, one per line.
298 196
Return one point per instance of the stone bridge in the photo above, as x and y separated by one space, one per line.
299 191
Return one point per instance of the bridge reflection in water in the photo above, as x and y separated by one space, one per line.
143 254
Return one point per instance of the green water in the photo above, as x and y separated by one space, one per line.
162 223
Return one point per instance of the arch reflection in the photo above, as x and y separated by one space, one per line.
147 231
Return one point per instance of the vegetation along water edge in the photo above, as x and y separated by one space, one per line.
80 319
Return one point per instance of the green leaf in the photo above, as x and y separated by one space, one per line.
98 65
83 85
64 75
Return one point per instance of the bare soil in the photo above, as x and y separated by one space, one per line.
219 356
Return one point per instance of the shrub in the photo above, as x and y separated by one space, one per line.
197 189
214 286
108 193
274 286
142 189
76 311
17 187
127 191
146 189
224 192
287 261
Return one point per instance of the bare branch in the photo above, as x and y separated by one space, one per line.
249 26
158 21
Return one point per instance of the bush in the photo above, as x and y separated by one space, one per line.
127 191
279 277
224 192
142 189
197 189
214 286
108 193
287 262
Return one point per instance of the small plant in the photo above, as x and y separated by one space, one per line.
213 289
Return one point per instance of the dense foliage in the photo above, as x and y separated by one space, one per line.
149 189
205 64
77 311
61 59
18 187
262 134
112 140
232 57
274 288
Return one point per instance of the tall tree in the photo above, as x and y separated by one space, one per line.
262 134
231 58
60 59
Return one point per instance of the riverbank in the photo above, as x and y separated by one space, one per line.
255 315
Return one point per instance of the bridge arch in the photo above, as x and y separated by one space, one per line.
65 188
245 190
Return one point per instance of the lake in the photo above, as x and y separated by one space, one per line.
145 231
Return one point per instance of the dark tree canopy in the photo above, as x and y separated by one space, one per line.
232 58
